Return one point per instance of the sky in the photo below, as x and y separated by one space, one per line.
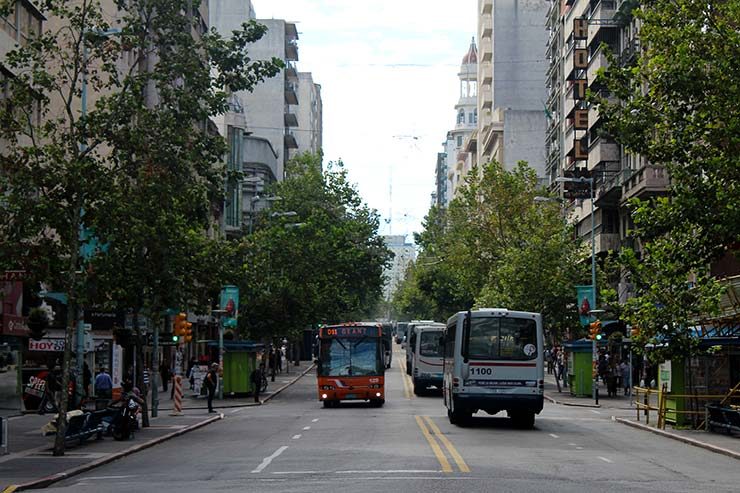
388 74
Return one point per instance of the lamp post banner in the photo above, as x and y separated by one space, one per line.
586 302
230 303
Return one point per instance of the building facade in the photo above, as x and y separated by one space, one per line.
455 161
578 33
310 109
511 94
403 254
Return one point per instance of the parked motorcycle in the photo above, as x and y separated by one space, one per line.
121 421
81 425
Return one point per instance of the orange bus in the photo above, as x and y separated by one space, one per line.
351 364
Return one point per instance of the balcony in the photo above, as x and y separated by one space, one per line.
609 185
602 10
602 151
487 56
597 61
648 181
290 71
291 51
487 7
487 31
291 96
290 120
604 242
290 142
487 73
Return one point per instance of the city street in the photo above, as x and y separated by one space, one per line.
293 444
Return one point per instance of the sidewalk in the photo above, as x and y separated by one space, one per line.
720 443
565 398
30 463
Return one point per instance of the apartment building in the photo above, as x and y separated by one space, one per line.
404 253
309 131
511 92
579 33
455 162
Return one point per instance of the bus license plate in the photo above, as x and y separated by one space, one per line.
350 396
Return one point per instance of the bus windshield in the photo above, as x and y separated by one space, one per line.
350 356
429 344
502 338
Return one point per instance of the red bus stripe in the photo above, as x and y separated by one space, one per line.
504 364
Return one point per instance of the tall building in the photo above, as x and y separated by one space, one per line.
578 30
404 253
455 161
308 133
510 70
271 108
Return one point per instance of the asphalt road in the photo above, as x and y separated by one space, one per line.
292 444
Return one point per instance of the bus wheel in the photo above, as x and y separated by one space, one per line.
417 388
457 417
377 402
524 420
328 403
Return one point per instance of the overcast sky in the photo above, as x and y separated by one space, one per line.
388 72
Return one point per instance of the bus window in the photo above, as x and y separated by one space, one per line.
503 338
450 341
429 344
350 357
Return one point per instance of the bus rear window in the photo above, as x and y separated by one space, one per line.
501 338
429 344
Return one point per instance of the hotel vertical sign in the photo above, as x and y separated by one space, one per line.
580 83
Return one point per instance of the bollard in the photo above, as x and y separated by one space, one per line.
177 410
3 435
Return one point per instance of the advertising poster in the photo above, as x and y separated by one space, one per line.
586 302
230 303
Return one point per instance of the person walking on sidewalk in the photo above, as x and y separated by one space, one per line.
256 378
103 384
624 370
211 383
164 372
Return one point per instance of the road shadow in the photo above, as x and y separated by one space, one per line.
495 422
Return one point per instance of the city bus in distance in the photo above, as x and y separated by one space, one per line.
351 364
493 361
388 344
426 359
411 339
400 331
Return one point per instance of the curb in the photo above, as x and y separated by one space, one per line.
269 397
571 404
54 478
687 440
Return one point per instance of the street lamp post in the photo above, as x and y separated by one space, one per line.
220 315
593 311
254 201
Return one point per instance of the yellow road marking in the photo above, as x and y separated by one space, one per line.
448 445
435 446
406 381
10 489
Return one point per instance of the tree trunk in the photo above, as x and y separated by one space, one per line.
59 443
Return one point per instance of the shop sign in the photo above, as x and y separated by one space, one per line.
14 325
46 344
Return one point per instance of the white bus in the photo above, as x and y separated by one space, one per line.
409 344
427 357
493 361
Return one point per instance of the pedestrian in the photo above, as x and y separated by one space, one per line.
191 373
211 383
256 379
272 362
624 370
164 372
103 384
548 359
86 379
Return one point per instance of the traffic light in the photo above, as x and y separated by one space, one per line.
181 330
594 331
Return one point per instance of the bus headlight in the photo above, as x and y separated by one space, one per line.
324 396
378 394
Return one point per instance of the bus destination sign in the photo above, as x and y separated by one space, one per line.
353 331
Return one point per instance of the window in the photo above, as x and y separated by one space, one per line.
449 349
461 117
459 141
429 345
502 338
349 357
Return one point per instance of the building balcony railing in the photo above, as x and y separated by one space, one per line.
647 181
487 7
291 51
291 95
290 71
290 141
290 120
601 10
605 242
598 60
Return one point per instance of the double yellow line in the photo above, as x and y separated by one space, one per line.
408 385
432 434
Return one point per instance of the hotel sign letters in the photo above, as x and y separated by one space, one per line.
580 83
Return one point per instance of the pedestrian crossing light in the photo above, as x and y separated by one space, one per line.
594 331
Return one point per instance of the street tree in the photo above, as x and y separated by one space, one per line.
138 170
677 108
315 257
